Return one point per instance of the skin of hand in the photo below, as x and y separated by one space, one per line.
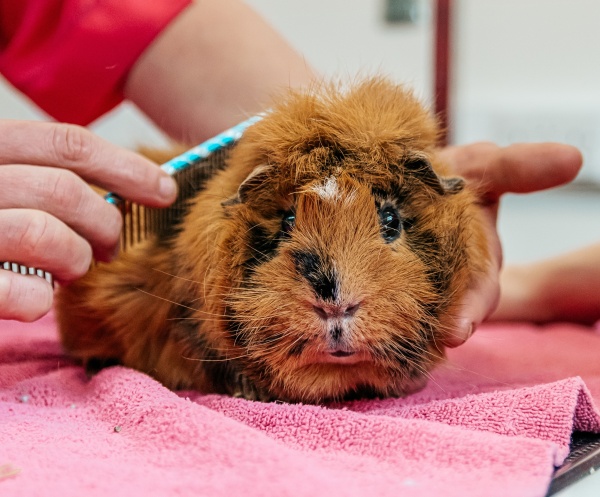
562 288
493 171
51 218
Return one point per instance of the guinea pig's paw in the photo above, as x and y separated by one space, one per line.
243 388
413 385
93 365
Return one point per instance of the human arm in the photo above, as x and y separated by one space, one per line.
561 288
492 171
195 68
217 63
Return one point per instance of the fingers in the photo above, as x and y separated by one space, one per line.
67 197
24 298
50 218
482 298
37 239
528 167
95 160
477 305
518 168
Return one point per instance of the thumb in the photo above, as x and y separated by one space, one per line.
518 168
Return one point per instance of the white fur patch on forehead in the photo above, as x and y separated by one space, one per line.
328 190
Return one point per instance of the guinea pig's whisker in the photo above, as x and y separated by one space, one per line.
255 319
401 353
294 343
424 351
174 275
168 300
215 318
206 271
397 350
225 359
252 226
215 315
273 341
495 381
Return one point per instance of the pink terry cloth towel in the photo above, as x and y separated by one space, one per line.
494 421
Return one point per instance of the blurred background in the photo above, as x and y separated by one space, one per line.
509 71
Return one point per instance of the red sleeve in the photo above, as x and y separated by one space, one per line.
71 57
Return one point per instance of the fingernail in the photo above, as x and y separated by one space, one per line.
464 329
471 330
467 328
167 188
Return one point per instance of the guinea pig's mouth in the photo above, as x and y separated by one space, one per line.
343 356
342 353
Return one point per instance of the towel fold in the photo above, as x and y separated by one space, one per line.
494 421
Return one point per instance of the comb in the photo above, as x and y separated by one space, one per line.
583 460
191 170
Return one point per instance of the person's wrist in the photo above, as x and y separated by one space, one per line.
568 289
523 294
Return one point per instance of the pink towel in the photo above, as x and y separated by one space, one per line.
494 421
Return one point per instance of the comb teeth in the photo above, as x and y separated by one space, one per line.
20 269
141 222
191 170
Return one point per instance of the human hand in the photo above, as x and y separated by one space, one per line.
50 217
492 171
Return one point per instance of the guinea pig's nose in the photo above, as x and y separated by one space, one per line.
329 311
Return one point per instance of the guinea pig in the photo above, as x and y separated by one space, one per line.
325 262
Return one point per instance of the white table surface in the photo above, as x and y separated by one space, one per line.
589 486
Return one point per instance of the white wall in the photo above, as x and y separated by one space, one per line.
349 37
529 70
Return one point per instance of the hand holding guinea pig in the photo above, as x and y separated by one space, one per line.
492 171
327 261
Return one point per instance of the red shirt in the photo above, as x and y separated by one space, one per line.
71 57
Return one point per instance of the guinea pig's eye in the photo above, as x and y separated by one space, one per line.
390 223
288 221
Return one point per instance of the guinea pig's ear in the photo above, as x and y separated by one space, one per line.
453 185
255 179
421 168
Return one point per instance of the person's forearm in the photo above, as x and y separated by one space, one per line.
564 288
215 65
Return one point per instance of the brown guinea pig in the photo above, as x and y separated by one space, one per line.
326 261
